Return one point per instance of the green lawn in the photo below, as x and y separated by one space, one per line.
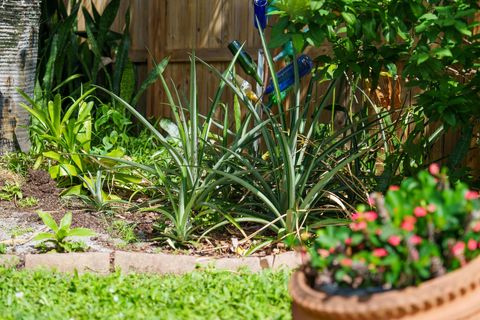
198 295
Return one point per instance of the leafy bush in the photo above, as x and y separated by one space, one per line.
420 230
86 56
430 44
435 39
94 56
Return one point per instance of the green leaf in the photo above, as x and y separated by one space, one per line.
315 36
298 42
450 118
462 28
349 18
127 86
278 39
74 190
428 16
53 155
65 169
122 75
442 53
151 79
278 36
422 57
81 232
48 220
44 236
66 221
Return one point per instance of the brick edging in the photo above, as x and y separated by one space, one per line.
157 263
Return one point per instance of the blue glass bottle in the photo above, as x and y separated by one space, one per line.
286 76
260 8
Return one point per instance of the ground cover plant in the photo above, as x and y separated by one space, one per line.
197 295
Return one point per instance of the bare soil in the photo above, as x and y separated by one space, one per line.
18 226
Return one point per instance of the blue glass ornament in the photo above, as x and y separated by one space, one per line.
286 76
260 8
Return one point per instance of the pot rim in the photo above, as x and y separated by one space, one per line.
428 294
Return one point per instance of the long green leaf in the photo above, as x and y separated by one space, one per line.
48 220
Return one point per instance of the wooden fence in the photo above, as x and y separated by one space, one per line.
161 28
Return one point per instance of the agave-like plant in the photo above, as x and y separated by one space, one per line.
300 171
215 169
198 153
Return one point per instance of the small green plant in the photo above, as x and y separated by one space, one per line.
19 231
11 192
57 240
3 248
27 202
17 162
420 230
124 230
98 199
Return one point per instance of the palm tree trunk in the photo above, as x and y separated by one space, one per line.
19 23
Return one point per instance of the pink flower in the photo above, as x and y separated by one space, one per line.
356 215
394 188
472 244
434 169
408 223
323 253
371 201
380 252
348 241
370 215
431 207
471 195
458 248
419 212
415 240
346 262
476 227
357 226
394 240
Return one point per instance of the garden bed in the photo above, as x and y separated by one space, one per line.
124 234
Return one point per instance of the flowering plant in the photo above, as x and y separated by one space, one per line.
418 231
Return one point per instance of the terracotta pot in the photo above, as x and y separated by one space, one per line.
455 295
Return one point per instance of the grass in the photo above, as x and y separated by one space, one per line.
197 295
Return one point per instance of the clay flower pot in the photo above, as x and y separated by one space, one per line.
455 295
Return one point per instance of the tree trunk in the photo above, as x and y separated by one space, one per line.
19 23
